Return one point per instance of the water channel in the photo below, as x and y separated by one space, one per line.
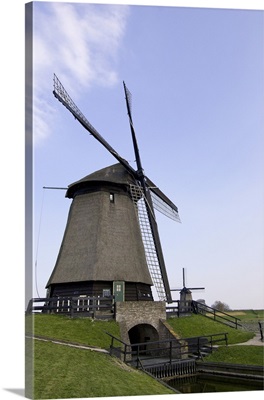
206 383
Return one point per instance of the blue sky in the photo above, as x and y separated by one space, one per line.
196 77
196 105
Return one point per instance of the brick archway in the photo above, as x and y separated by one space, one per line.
131 313
142 333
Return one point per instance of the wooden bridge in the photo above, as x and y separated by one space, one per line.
166 358
180 368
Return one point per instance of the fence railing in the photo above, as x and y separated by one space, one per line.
183 307
180 368
180 307
164 351
216 315
260 324
93 306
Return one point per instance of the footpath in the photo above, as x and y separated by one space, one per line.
66 343
255 341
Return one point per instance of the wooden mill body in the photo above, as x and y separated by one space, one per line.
102 243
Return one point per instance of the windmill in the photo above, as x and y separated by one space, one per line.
185 293
135 189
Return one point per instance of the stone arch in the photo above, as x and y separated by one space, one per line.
143 333
145 314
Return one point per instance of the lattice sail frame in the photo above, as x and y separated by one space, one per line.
61 91
148 241
163 207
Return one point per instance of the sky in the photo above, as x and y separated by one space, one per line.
197 84
196 78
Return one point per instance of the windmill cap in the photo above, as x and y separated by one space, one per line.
115 174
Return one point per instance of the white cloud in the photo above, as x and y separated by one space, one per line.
41 111
80 43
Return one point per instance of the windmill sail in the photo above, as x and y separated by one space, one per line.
184 285
61 94
161 202
148 241
163 207
147 219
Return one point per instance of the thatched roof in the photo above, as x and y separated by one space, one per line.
116 174
102 240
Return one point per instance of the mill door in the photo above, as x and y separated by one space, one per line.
119 290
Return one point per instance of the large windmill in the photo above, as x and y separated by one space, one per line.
111 242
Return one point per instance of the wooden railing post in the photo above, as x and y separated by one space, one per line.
71 307
111 345
125 352
138 355
261 330
93 306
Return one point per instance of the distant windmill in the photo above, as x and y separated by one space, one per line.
111 243
185 292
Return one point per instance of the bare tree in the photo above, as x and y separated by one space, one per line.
200 301
219 305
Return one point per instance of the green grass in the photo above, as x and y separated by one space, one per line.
198 325
78 330
64 372
246 355
248 315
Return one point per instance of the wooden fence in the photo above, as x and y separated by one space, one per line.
164 351
179 308
216 315
187 307
180 368
95 307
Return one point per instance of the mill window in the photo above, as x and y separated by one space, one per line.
106 292
112 198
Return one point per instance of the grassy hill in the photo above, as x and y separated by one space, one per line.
198 325
61 371
66 372
84 331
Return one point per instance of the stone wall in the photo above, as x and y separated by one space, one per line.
179 346
132 313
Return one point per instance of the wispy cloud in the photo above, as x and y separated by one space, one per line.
81 43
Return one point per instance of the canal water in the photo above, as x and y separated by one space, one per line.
204 383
